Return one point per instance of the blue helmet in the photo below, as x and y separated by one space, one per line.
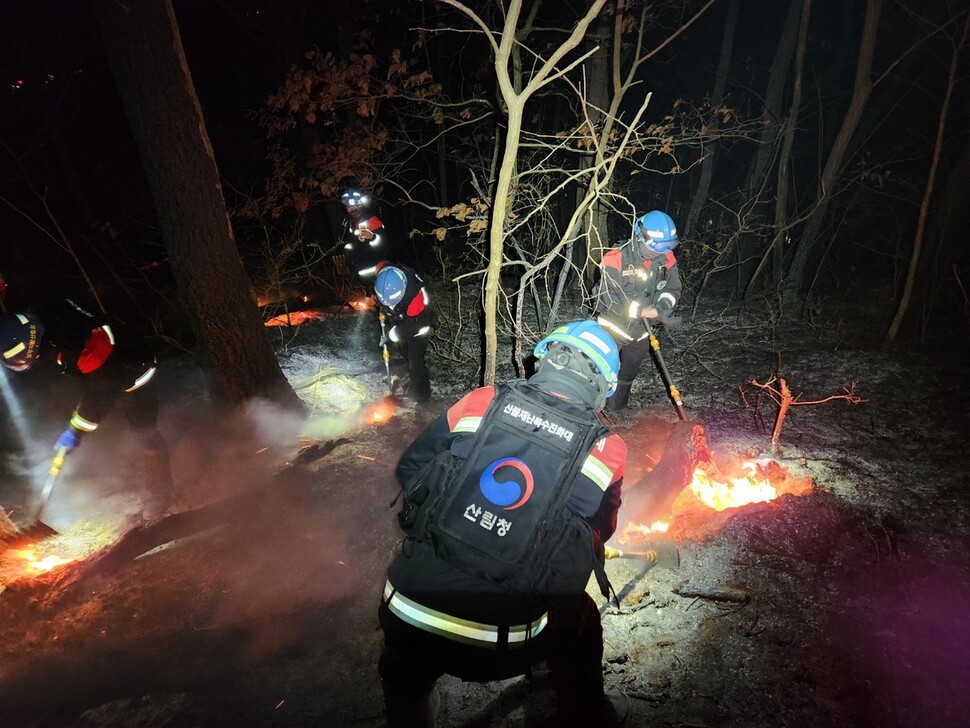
657 231
20 337
354 199
390 284
592 340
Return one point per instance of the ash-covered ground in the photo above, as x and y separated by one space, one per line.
845 605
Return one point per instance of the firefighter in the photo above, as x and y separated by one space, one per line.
639 280
363 236
114 362
442 611
407 320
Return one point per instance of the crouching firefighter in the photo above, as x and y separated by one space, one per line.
508 498
639 281
115 363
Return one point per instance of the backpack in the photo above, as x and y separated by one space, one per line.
499 510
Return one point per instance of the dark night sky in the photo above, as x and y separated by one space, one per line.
235 67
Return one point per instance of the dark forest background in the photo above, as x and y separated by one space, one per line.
809 151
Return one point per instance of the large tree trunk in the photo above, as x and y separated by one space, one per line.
144 49
717 99
861 89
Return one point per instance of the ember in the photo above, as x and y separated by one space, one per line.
76 544
362 304
379 412
295 318
38 565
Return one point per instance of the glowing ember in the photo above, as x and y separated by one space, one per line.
39 565
295 318
752 487
642 529
379 412
362 304
68 547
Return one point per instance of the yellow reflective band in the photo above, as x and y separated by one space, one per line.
596 470
461 630
79 423
468 424
607 324
14 351
142 380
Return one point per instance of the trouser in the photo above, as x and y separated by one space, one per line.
413 351
632 355
413 660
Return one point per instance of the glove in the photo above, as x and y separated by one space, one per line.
668 320
384 340
68 439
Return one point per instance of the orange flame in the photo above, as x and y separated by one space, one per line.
642 529
752 487
379 412
39 565
294 318
362 304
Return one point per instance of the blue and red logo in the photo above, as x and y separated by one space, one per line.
507 483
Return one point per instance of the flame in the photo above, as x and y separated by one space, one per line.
295 318
642 529
717 492
362 304
379 412
752 487
39 565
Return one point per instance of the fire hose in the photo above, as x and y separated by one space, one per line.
672 390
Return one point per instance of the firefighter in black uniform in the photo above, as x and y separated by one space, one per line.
639 280
407 320
363 236
440 618
115 363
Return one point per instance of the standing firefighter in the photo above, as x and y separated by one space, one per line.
364 239
639 282
114 361
508 499
407 319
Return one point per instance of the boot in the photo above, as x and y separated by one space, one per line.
620 397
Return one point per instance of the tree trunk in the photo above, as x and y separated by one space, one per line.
144 49
757 182
598 82
775 249
927 194
862 87
717 98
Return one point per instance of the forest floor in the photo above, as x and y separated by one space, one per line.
845 603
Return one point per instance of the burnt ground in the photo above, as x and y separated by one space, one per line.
255 604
